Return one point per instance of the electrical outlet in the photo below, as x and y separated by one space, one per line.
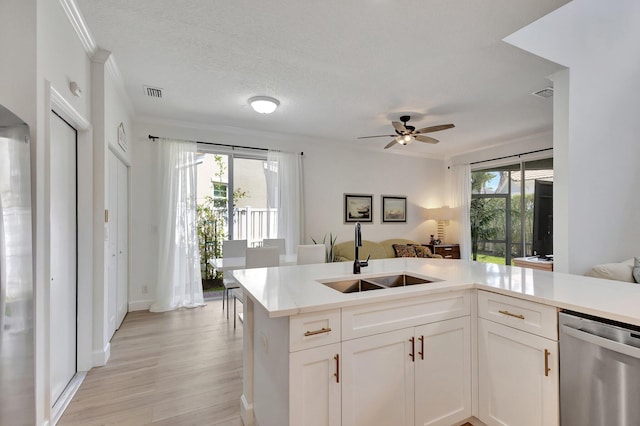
145 290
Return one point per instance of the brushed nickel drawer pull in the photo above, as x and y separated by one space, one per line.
512 315
314 332
546 362
448 248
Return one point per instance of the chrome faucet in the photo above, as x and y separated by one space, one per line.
357 242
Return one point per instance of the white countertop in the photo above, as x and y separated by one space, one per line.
291 290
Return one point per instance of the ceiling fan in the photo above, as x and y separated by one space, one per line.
406 134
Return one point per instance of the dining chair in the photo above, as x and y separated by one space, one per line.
277 242
231 248
256 257
310 253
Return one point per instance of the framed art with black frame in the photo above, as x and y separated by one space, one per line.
394 209
358 208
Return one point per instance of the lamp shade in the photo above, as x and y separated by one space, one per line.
440 213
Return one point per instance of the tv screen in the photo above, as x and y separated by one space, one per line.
542 244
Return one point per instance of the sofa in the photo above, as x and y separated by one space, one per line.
618 271
344 251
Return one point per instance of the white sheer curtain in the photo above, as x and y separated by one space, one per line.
179 279
461 200
285 192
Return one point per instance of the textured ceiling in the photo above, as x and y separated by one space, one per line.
341 69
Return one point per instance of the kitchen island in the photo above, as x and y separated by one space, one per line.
308 348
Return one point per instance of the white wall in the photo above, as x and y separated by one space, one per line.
598 43
330 170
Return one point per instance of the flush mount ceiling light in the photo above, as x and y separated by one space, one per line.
264 104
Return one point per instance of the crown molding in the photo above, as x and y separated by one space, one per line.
80 26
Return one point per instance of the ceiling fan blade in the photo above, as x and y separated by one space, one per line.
426 139
390 144
399 126
378 136
435 128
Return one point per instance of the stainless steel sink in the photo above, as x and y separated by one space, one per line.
376 283
352 286
399 280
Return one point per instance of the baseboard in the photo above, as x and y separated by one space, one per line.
100 358
140 305
65 399
246 412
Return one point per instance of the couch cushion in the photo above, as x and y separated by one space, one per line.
422 251
344 251
388 245
621 271
404 250
636 269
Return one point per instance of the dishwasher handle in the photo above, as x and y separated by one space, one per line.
631 351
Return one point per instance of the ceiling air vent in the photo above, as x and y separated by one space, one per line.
544 93
153 92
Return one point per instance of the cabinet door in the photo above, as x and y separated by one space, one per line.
314 386
443 372
518 377
378 380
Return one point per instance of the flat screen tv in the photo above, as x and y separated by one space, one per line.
542 244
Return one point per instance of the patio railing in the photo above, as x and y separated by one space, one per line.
254 225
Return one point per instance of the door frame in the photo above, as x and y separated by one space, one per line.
84 158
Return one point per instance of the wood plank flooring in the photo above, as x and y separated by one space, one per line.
174 368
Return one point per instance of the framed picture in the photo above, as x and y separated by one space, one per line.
394 208
358 208
122 138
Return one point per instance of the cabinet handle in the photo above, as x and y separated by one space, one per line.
421 353
314 332
448 248
512 315
337 373
546 362
413 348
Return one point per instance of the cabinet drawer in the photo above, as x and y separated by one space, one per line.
524 315
314 329
448 252
366 320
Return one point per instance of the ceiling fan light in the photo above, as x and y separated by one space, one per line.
264 104
408 139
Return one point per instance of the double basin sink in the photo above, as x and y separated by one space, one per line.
355 285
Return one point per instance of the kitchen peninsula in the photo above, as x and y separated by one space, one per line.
420 354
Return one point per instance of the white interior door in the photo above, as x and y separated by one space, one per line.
122 290
112 242
118 242
63 255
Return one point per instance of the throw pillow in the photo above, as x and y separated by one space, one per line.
422 251
403 250
636 269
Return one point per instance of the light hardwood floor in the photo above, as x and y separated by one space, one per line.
175 368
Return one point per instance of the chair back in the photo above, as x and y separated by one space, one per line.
261 257
234 248
311 253
274 242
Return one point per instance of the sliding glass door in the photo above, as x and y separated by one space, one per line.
503 211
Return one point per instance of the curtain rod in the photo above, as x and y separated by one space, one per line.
154 138
511 156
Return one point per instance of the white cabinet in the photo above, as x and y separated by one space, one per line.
314 383
518 370
378 380
443 372
412 376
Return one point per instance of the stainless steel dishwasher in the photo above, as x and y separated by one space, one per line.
599 371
